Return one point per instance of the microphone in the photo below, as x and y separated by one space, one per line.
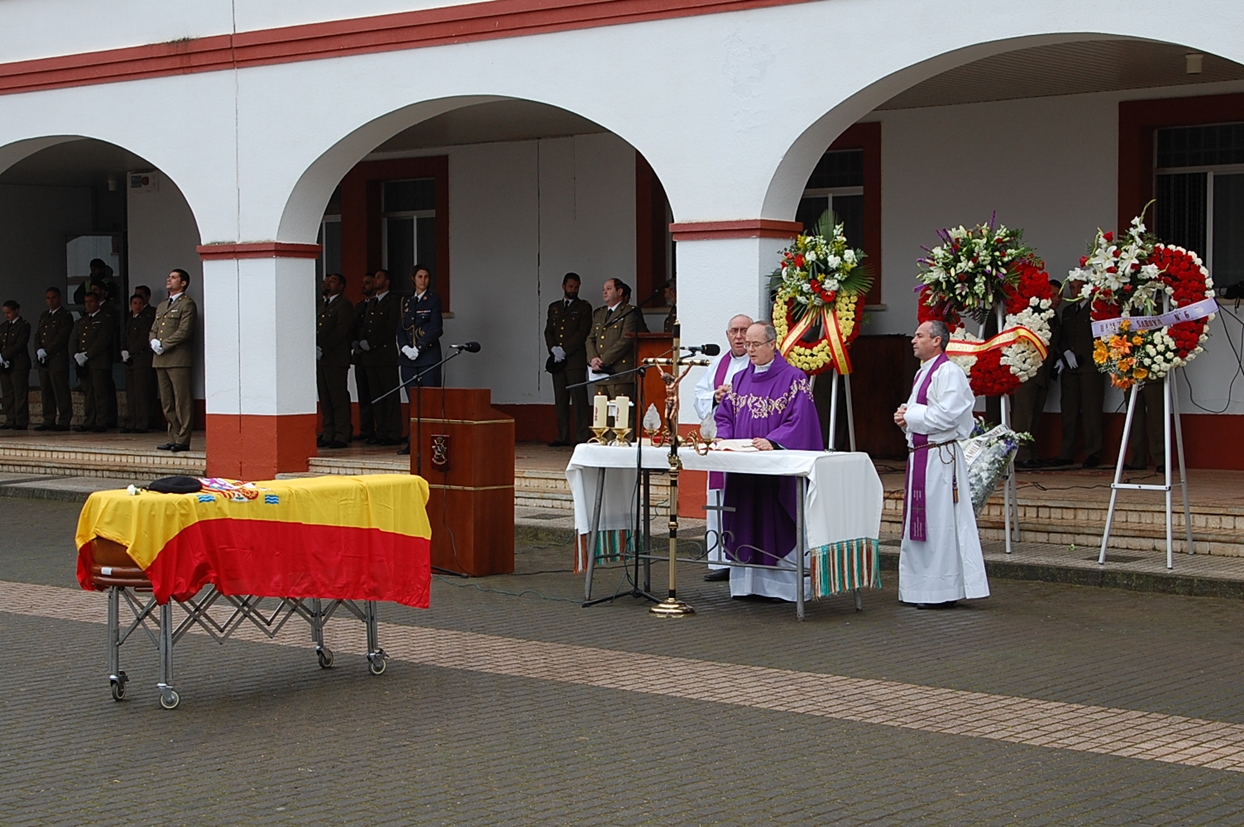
469 347
708 350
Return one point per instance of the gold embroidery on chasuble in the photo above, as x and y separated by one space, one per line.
763 407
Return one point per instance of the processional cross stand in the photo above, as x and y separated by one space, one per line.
1170 418
671 606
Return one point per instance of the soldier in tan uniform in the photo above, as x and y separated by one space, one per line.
136 355
565 334
172 341
52 350
332 365
94 343
15 367
609 350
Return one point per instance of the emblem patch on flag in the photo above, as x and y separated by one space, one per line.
271 499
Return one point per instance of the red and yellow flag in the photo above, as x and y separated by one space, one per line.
356 538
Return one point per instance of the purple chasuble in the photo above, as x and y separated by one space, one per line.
776 405
918 463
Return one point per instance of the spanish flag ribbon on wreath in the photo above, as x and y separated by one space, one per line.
818 302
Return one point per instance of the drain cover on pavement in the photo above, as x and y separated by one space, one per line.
1111 558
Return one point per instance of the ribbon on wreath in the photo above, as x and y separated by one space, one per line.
831 335
1190 313
1010 336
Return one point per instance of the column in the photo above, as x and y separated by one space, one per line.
723 270
259 358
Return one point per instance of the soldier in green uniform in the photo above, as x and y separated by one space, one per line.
52 351
136 355
172 341
565 334
15 367
378 357
332 365
94 344
609 349
367 417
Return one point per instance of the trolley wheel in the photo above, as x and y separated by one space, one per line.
325 656
169 699
376 663
118 689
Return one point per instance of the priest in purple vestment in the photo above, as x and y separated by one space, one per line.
770 402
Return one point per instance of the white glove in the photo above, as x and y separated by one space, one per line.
125 356
42 354
1070 358
319 352
559 353
4 363
80 358
156 347
364 345
411 353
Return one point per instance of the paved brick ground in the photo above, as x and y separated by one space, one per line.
504 709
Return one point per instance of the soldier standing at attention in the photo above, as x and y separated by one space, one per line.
172 341
140 378
609 351
565 334
52 351
15 367
95 342
332 362
378 357
367 417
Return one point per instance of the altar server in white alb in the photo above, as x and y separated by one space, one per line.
941 561
713 385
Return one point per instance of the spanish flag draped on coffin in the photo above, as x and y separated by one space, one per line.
348 538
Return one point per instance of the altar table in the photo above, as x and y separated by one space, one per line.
840 502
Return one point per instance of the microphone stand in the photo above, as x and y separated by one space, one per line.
641 504
418 435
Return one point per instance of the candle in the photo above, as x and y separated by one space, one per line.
600 411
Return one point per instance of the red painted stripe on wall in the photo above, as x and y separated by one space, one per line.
339 38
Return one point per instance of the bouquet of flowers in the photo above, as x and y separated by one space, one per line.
967 273
819 299
989 455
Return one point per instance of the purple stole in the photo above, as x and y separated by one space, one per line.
917 529
717 479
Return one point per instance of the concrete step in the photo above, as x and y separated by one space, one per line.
87 460
1137 526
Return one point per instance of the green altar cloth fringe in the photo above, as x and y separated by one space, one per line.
610 546
846 565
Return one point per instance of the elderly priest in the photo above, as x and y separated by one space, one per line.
770 403
940 561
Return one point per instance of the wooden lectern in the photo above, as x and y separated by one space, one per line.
466 450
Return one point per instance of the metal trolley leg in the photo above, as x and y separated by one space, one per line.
169 699
116 678
376 656
316 620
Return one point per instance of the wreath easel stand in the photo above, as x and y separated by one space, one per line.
1010 491
1170 422
831 431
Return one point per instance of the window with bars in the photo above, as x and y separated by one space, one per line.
836 185
1199 194
409 229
